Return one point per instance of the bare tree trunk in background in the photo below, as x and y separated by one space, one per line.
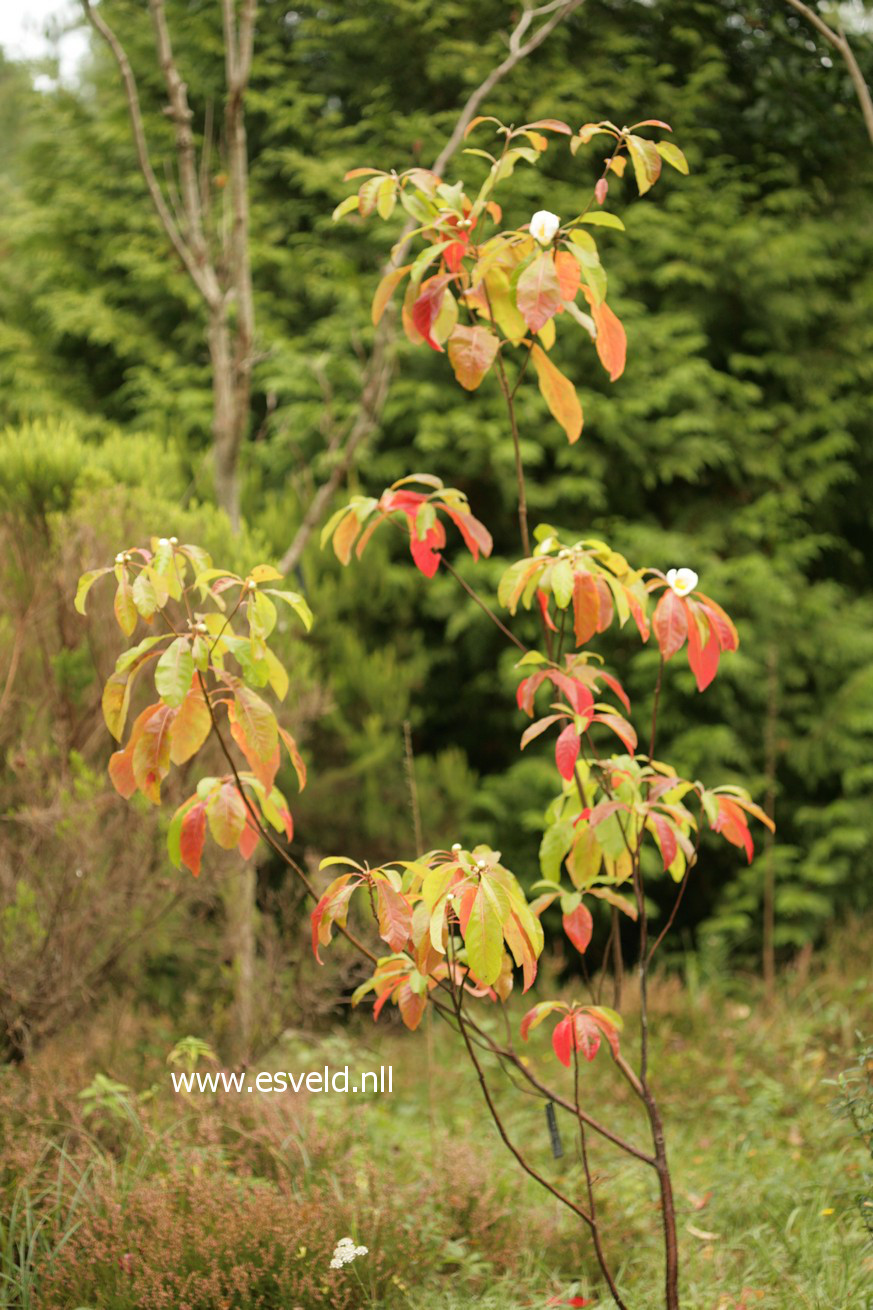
379 369
214 249
215 254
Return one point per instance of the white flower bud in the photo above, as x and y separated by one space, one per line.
543 226
682 580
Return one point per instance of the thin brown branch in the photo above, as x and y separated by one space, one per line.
168 222
840 43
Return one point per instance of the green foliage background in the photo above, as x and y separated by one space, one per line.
738 441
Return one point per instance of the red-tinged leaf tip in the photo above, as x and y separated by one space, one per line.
562 1040
600 190
192 837
543 602
248 841
426 309
587 1035
476 535
579 926
567 751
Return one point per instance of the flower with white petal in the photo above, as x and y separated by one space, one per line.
543 226
682 580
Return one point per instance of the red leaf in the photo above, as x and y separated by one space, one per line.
426 309
476 535
538 294
562 1040
587 1035
702 659
579 926
670 623
192 836
666 839
600 190
622 729
567 751
576 692
395 917
248 841
731 823
721 622
426 552
543 602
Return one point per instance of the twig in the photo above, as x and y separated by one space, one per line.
840 43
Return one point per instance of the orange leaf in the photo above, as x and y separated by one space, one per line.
559 394
569 274
611 339
471 352
385 290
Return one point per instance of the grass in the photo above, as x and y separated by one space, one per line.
235 1202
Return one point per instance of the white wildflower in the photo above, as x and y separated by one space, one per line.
544 225
682 580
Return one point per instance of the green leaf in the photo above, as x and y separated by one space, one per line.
673 156
145 598
484 938
257 721
86 582
646 161
555 844
602 218
562 583
265 573
345 207
297 603
175 672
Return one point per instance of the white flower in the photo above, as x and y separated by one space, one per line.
345 1252
682 580
544 225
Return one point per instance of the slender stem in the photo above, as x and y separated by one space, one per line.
519 467
655 705
595 1229
474 595
499 1124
